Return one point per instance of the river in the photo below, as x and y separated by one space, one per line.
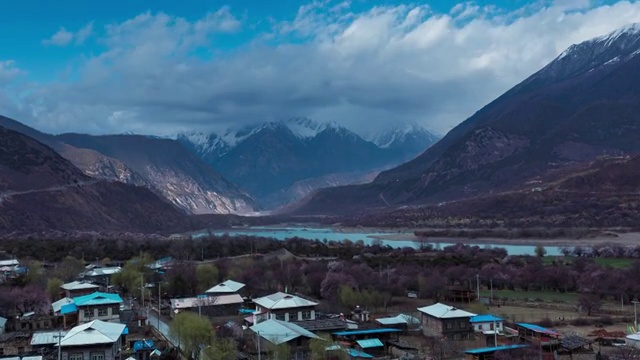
394 239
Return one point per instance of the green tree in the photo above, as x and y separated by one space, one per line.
221 349
280 351
35 274
207 276
540 250
53 288
133 275
318 349
69 269
191 331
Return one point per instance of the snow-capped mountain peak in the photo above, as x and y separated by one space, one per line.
306 128
400 132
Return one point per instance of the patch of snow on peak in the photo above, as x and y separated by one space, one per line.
306 128
398 132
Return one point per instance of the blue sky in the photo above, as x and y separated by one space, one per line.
115 66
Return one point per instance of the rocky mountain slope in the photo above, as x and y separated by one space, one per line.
40 190
179 175
161 165
598 194
584 104
269 159
91 162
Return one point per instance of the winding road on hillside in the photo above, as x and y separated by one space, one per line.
8 194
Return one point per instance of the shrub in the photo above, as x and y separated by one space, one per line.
546 322
581 322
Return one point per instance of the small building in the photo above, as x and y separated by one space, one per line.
46 341
102 276
227 287
278 332
403 322
209 306
488 353
15 343
446 321
537 335
490 326
96 340
284 307
96 306
371 346
368 339
78 288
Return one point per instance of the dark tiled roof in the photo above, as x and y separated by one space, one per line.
321 324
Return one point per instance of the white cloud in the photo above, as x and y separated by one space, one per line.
362 69
64 37
84 33
61 38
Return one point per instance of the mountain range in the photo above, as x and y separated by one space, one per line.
42 191
161 165
279 162
583 105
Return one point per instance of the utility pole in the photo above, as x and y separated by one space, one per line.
159 308
59 336
495 332
635 315
478 285
491 285
142 289
259 350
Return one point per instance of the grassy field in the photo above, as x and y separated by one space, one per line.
613 262
532 295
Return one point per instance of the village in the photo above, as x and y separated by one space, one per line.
143 309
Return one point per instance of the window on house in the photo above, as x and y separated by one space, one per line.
448 326
103 312
76 356
306 315
490 326
97 356
88 313
280 317
293 316
463 325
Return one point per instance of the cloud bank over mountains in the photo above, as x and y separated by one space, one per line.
159 74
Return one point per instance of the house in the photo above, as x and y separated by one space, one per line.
487 323
210 306
102 276
490 326
14 343
96 306
226 288
277 332
374 341
96 340
446 321
46 341
403 322
537 335
78 288
284 307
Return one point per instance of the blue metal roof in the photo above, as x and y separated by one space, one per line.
537 328
68 309
98 298
358 354
369 343
365 332
485 318
494 349
143 345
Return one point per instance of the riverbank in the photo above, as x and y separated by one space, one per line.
626 239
